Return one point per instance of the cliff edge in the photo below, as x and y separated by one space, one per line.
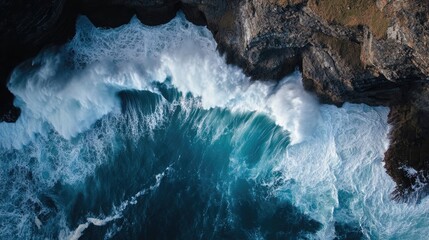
361 51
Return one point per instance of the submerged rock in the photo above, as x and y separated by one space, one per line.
372 51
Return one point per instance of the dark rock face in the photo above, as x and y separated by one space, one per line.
8 112
332 69
407 158
25 28
370 51
263 49
101 15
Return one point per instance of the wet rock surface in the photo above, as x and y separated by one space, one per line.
407 158
371 51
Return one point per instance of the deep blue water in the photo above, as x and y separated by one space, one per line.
145 133
207 159
204 194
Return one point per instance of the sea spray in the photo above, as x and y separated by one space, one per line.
112 108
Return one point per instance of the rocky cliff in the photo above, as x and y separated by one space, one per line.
361 51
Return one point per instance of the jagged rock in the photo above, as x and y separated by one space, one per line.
389 59
265 37
113 13
410 27
8 113
333 70
407 158
101 16
370 51
272 38
193 14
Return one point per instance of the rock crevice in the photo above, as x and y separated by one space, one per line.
370 51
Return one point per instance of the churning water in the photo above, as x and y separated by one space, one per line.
145 133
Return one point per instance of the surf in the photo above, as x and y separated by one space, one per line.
105 114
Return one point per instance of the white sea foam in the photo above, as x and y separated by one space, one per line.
71 97
69 103
117 211
335 150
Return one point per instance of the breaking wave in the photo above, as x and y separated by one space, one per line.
114 109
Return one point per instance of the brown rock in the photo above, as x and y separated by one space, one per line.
373 52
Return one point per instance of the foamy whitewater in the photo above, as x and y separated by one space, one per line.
145 133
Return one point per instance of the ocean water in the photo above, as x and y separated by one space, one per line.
144 132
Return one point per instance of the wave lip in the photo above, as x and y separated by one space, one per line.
72 87
73 123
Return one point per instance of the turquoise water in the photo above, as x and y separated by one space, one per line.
145 133
215 167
